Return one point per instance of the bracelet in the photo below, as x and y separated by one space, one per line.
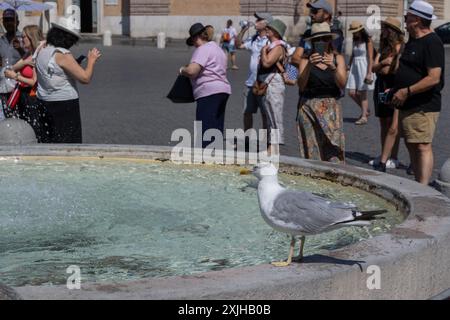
16 77
180 71
409 91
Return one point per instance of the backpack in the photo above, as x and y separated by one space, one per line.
226 37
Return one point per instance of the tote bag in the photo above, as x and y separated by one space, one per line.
181 91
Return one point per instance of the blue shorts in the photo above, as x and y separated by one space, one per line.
230 48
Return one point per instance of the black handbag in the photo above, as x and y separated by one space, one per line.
181 91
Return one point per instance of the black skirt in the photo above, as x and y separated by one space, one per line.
63 121
382 110
32 111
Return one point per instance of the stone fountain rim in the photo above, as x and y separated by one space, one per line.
422 231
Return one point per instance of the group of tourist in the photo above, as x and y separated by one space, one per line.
406 80
38 80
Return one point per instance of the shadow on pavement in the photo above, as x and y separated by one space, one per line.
358 156
318 258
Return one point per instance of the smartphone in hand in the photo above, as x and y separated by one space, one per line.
80 59
320 47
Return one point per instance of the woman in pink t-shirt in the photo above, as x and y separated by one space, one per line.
207 71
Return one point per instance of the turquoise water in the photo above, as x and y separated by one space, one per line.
122 220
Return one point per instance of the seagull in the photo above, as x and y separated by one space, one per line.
301 213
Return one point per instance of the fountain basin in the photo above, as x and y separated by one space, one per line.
412 257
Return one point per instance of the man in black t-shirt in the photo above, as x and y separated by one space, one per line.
419 81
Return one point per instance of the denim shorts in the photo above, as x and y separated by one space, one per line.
230 48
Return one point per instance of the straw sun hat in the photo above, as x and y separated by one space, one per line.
394 24
319 30
355 27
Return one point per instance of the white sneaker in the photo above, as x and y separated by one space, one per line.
375 162
392 164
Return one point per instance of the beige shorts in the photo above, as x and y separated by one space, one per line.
418 126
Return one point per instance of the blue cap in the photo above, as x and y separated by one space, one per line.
321 4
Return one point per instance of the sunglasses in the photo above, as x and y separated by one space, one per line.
407 16
314 10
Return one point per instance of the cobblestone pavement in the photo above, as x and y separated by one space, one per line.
126 104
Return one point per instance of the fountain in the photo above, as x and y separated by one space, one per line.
139 226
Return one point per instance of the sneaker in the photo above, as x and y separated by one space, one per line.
381 167
392 164
410 171
375 162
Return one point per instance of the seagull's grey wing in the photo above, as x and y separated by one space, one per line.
335 204
308 213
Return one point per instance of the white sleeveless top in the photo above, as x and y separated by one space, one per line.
54 84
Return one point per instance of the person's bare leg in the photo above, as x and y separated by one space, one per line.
354 95
412 155
273 151
248 121
264 120
233 61
364 104
425 160
383 131
391 139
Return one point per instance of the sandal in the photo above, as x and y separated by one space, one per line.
361 121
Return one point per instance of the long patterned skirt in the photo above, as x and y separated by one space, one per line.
321 130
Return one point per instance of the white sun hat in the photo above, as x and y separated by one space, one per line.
422 9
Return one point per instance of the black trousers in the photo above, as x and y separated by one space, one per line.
211 112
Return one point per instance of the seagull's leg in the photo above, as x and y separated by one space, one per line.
302 244
289 260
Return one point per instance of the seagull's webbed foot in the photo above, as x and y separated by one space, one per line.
289 260
281 264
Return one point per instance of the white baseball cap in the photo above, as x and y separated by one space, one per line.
422 9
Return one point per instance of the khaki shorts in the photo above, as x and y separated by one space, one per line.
418 126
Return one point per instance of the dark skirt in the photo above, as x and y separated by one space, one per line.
32 111
64 121
382 110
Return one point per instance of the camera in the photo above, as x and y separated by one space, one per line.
386 97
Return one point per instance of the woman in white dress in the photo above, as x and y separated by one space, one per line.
361 78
